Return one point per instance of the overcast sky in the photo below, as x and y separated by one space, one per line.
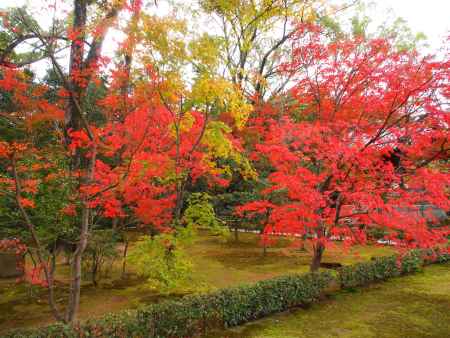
431 17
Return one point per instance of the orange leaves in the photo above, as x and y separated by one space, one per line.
7 149
30 101
9 79
73 34
256 207
221 182
155 211
78 139
27 203
360 146
7 184
35 275
30 186
47 112
113 208
69 210
4 149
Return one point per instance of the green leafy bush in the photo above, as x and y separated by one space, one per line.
436 256
412 262
200 214
162 260
387 267
362 274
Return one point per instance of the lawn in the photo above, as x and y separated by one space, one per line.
217 263
411 306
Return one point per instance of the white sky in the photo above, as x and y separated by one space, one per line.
431 17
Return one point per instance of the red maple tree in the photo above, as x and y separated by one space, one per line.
360 144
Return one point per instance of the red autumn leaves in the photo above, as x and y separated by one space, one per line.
358 145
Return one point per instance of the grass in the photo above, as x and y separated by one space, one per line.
226 263
216 262
412 306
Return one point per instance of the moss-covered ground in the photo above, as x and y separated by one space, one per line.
217 263
413 306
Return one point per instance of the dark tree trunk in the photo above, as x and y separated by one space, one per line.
317 257
75 120
124 264
261 232
52 263
94 268
268 212
76 269
72 118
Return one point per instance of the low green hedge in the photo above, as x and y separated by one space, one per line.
195 314
436 256
365 273
383 268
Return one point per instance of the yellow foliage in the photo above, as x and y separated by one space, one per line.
219 146
205 53
223 94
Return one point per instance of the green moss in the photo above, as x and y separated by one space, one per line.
412 306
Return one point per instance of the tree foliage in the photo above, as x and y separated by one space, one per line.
363 143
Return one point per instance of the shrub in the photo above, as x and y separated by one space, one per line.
412 262
163 261
365 273
382 268
441 255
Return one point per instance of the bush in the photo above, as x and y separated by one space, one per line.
196 314
365 273
162 261
247 303
412 262
382 268
436 256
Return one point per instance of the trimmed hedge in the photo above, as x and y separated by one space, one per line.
365 273
383 268
195 314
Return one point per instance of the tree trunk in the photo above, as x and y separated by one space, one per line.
236 234
95 263
76 270
261 232
52 263
73 116
129 46
77 50
115 223
124 264
317 257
